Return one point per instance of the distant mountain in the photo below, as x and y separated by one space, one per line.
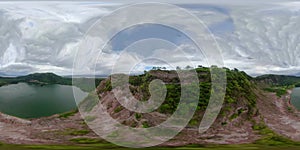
47 78
51 78
86 76
37 78
278 80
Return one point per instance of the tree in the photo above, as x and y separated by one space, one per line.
188 67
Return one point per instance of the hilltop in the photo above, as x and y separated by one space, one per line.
243 118
37 78
278 80
249 114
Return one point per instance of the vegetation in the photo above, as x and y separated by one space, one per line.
270 138
75 132
278 90
68 114
118 109
278 80
51 78
239 91
105 145
86 140
138 116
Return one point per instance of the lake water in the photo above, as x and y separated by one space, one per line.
295 97
32 101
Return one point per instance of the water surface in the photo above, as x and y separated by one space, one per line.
295 97
32 101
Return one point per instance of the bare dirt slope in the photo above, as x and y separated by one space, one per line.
277 114
48 130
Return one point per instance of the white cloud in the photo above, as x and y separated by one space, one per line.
43 36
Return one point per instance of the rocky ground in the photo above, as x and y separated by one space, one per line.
280 115
277 113
47 130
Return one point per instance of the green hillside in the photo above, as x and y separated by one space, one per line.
50 78
278 80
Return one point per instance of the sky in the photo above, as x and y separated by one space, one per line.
253 36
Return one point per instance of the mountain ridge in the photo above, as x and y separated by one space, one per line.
249 114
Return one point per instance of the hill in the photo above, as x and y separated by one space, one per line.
240 120
37 78
278 80
50 78
248 115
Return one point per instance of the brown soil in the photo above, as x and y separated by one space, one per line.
52 130
280 115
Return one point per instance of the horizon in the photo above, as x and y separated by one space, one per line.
123 74
107 75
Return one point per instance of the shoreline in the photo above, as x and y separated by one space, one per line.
290 104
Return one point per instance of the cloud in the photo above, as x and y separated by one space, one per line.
258 37
265 38
43 34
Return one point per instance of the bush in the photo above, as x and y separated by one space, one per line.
118 109
138 116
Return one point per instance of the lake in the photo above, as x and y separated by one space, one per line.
32 101
295 97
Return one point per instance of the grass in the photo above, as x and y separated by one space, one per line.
270 138
111 146
278 90
68 114
118 109
76 132
86 140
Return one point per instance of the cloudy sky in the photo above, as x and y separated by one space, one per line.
257 37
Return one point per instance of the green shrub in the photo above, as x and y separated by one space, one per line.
278 90
118 109
68 114
270 138
85 140
138 116
145 124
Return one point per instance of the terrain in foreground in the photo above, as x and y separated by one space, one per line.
250 115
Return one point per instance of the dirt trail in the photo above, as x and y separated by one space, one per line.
280 115
46 130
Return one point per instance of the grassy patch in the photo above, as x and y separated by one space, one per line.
86 140
145 124
68 114
235 115
106 145
138 116
76 132
118 109
270 138
278 90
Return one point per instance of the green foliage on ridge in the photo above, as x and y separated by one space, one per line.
51 78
